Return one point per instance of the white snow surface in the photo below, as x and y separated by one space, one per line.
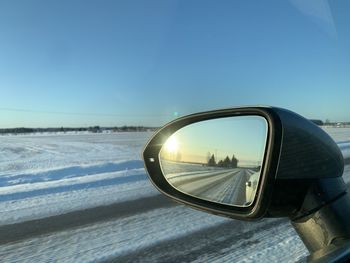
50 174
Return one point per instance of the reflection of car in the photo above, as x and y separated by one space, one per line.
251 185
300 177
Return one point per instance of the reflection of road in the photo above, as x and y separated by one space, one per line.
225 186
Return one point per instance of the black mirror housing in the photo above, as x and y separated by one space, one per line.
297 155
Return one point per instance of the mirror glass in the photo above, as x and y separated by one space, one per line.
218 160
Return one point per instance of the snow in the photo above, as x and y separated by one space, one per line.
38 153
114 237
49 174
120 238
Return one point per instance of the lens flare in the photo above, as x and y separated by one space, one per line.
172 145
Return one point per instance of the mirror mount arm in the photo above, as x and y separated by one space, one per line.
323 220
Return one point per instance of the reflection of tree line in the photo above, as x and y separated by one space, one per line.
226 163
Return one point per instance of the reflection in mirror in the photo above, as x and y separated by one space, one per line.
218 160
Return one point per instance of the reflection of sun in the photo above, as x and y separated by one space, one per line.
171 145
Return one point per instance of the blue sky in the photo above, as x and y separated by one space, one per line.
81 63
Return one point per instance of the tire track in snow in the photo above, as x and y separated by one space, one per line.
68 172
73 187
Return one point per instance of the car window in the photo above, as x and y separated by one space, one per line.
85 84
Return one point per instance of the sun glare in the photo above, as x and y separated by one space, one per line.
172 145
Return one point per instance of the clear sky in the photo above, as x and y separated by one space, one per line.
81 63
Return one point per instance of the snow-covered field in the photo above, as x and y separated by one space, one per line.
43 175
52 174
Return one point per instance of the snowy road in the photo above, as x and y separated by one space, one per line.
57 176
223 185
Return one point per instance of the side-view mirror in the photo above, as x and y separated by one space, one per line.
254 162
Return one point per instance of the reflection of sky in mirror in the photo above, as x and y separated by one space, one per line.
243 136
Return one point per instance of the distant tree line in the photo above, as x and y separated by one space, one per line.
226 163
93 129
132 129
